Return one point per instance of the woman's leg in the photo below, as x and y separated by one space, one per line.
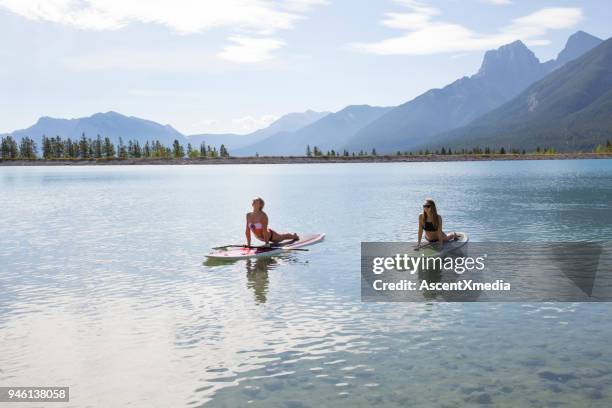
450 237
276 237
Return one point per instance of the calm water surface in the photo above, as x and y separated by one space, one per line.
104 288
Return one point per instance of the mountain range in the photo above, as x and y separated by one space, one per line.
328 133
287 123
111 124
513 99
504 73
570 109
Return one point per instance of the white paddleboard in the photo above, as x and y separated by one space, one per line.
432 250
261 251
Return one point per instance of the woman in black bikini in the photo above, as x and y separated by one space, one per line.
431 223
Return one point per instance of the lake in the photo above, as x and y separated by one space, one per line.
105 288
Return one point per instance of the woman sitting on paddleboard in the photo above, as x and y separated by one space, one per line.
257 223
431 223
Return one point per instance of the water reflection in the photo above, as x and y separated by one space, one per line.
257 270
257 276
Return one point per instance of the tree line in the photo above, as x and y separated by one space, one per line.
102 148
446 151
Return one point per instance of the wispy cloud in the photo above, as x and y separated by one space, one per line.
304 5
250 50
182 16
497 2
423 33
251 19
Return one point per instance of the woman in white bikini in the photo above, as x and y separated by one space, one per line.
257 223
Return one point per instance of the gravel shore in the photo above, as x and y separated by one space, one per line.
304 159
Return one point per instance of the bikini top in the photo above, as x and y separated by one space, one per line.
429 226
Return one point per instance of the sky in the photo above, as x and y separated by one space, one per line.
208 66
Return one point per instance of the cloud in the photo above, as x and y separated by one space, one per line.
243 125
250 50
497 2
247 21
424 34
182 16
303 5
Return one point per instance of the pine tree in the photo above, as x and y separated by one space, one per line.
123 154
57 147
46 146
192 153
13 150
223 151
83 147
109 148
97 151
308 151
177 150
27 149
137 149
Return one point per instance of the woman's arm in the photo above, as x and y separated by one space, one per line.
420 231
248 231
439 232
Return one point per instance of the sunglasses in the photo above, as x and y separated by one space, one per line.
426 205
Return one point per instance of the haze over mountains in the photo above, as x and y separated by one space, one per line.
327 133
287 123
513 99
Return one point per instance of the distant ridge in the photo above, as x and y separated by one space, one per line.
577 44
115 125
286 123
329 132
110 124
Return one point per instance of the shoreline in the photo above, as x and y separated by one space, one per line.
307 160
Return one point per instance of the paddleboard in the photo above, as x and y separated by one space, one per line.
261 251
432 250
